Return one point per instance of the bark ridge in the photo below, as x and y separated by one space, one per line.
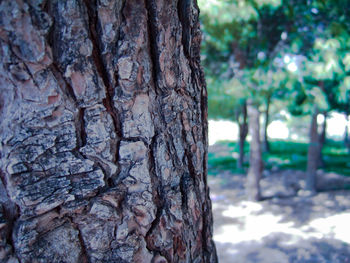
103 131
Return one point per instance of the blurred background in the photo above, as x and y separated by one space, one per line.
278 79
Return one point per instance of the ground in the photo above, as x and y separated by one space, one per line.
289 225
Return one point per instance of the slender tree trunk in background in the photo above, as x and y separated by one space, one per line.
103 133
255 158
346 133
243 132
313 154
266 145
322 140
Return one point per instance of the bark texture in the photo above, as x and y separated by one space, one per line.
313 153
255 158
103 132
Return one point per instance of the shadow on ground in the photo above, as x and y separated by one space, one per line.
288 226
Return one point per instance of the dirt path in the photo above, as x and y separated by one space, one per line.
281 229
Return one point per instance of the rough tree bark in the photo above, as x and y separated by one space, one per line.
255 158
313 153
243 132
103 132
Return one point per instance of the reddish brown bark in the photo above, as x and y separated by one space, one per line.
103 133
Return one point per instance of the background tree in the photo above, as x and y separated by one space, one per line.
103 131
247 36
322 77
228 101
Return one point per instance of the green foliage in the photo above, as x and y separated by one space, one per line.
283 155
241 40
246 42
292 53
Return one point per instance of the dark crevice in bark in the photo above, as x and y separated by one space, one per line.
158 198
152 33
15 60
84 258
116 161
63 83
11 214
204 118
187 177
184 189
45 6
135 139
204 232
103 73
192 179
191 168
31 75
202 203
154 225
108 103
80 128
189 25
183 10
107 179
96 50
206 203
100 65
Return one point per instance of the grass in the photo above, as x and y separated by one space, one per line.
282 155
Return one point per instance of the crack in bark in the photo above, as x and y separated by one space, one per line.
66 88
84 255
204 117
80 128
135 139
152 34
11 214
107 179
204 114
182 10
158 198
100 65
102 72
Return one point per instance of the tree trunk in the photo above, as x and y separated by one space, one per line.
322 140
266 146
103 133
313 154
255 159
346 133
243 132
